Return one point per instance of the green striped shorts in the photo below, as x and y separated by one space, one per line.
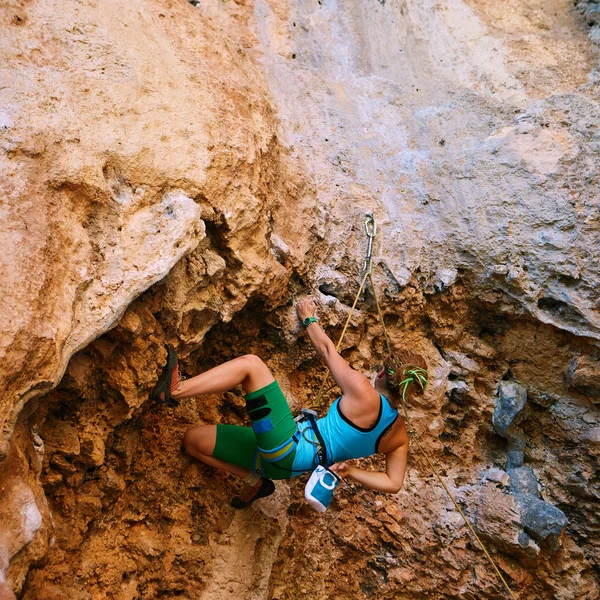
272 426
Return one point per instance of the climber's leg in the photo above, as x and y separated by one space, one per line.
199 441
238 443
249 371
236 449
273 425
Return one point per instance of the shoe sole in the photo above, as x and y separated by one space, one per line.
260 494
162 390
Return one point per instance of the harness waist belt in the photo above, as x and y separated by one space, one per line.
311 417
276 454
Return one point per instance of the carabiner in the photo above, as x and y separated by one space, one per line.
370 226
371 231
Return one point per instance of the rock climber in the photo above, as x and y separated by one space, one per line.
363 421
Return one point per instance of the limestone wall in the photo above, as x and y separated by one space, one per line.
181 174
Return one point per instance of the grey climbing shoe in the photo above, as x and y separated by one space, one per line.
168 381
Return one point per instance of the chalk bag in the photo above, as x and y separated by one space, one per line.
319 488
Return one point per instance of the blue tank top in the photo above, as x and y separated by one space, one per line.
343 439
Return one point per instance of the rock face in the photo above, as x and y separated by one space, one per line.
180 173
544 522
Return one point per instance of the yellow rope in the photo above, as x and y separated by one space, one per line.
385 335
492 562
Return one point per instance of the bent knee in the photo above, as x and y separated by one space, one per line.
253 362
257 372
189 439
200 440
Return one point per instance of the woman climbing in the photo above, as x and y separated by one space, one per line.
363 421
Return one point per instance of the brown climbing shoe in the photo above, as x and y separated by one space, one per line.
261 490
169 380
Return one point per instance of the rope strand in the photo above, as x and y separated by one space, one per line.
412 432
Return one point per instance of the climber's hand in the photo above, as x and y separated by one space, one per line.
341 469
306 308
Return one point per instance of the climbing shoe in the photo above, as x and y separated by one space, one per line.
261 490
169 380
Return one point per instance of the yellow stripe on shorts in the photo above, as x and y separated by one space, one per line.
275 454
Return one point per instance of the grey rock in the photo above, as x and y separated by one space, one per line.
514 458
543 398
592 14
525 540
523 482
593 436
497 476
510 401
461 363
544 522
457 390
540 520
515 454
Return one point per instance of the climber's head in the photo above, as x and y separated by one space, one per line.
403 375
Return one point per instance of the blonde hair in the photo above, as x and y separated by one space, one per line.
406 375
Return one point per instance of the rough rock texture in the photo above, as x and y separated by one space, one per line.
544 522
154 145
180 172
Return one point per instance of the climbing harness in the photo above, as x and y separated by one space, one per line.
307 421
415 374
320 449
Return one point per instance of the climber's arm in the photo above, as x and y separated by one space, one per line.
351 382
390 482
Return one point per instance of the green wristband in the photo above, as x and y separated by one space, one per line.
306 322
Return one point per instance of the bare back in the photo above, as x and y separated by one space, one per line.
364 412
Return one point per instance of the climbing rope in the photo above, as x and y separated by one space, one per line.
371 231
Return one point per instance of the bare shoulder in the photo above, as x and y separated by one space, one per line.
396 438
361 403
360 395
361 389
